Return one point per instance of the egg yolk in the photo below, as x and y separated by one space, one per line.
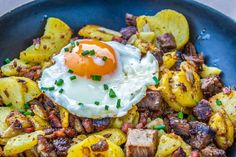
92 58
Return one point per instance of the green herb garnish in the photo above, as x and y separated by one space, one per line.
72 43
26 106
91 52
105 86
84 53
96 77
9 105
180 115
61 90
51 88
73 77
112 94
96 103
104 58
157 81
106 107
159 127
118 103
59 82
218 102
70 71
6 61
81 104
28 112
66 49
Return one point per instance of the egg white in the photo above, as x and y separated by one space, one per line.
129 82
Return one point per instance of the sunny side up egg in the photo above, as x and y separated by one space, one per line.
97 79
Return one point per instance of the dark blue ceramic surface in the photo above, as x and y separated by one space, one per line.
217 32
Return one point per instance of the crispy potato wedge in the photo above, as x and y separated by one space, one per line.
114 135
209 71
224 129
10 69
166 21
4 112
98 32
57 34
226 103
38 123
31 89
168 143
21 143
12 92
84 148
64 115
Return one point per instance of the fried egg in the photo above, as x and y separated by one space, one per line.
97 79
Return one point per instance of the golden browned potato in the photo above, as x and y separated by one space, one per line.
98 32
4 112
38 123
19 117
226 102
168 143
21 143
169 59
147 36
166 21
114 135
64 115
84 148
222 125
209 71
145 46
57 34
10 69
181 89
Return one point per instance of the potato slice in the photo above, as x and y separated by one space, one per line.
21 143
98 32
209 71
84 148
38 123
11 70
4 112
225 102
12 92
57 34
64 115
166 21
114 135
31 89
169 59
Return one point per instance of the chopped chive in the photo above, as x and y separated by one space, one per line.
61 90
66 49
70 71
9 105
77 43
6 61
96 77
218 102
81 104
112 94
180 115
26 106
22 111
84 53
106 107
159 127
104 58
96 103
59 82
72 43
73 77
105 86
51 88
157 81
118 103
28 112
91 52
44 88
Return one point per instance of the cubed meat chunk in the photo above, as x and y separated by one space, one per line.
202 111
180 127
211 86
179 153
212 151
166 41
127 32
141 143
130 19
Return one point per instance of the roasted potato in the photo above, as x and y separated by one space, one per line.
209 71
21 143
38 123
84 148
4 112
168 143
222 125
98 32
10 69
145 46
64 115
226 102
166 21
19 117
147 36
114 135
57 34
169 59
181 89
12 92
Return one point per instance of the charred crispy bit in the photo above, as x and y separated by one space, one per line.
198 60
201 135
49 131
143 117
130 19
119 40
37 107
213 151
78 125
126 127
180 59
48 104
166 41
54 121
158 55
153 102
211 86
127 32
179 153
101 146
180 126
61 145
33 73
101 124
141 143
202 111
45 148
190 50
70 132
88 125
18 120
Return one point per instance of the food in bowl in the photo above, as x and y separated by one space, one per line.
140 92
